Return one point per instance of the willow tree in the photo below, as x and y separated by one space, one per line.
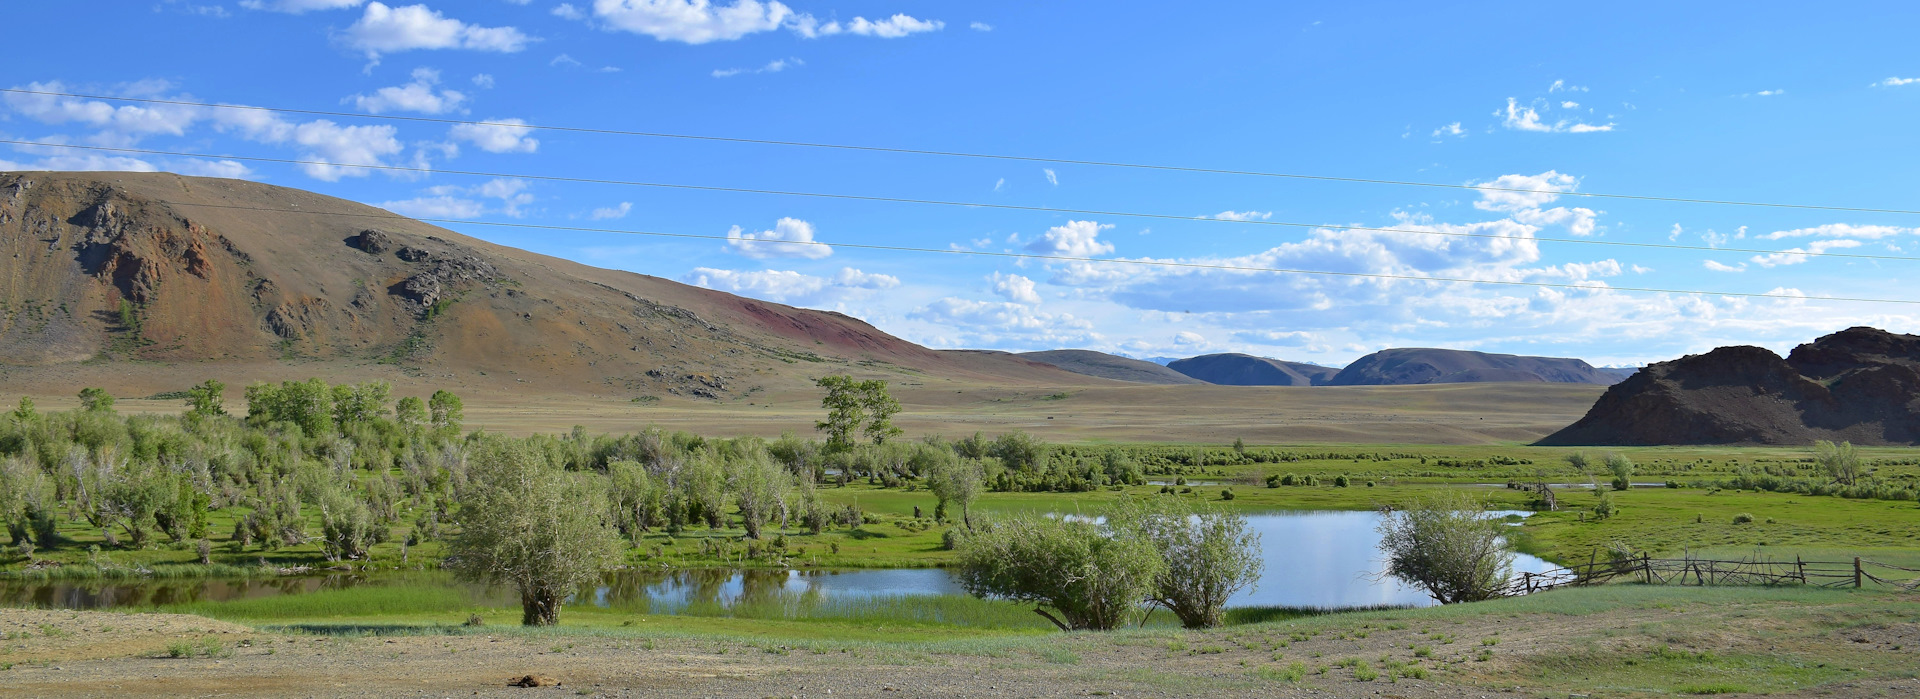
1076 573
526 522
1449 546
1208 554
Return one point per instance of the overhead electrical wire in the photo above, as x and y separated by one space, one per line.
1058 258
971 155
971 205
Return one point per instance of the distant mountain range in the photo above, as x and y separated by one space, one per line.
1391 367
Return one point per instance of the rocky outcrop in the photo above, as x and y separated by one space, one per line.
1861 385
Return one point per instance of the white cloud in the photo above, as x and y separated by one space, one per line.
994 322
1527 118
1790 257
1569 104
999 184
497 136
1075 239
1534 191
332 146
1276 338
1452 129
483 81
228 169
773 66
894 27
692 21
1562 86
454 201
1718 267
295 7
116 125
612 212
1895 82
1188 338
383 30
416 96
436 207
1765 93
1052 177
1231 215
791 287
566 10
1842 230
1014 288
980 26
790 237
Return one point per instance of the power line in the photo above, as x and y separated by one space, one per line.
1055 258
971 205
964 154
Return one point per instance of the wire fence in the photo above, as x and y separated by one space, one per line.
1857 573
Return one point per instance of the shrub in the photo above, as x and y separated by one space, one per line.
1839 461
1274 481
1622 469
1205 554
1447 545
1226 494
1086 577
1604 507
1341 481
1743 518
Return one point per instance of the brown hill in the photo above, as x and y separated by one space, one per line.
1109 366
1413 365
1235 369
1860 385
160 268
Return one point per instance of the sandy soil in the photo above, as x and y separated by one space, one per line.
107 654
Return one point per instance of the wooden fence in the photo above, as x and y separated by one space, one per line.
1701 571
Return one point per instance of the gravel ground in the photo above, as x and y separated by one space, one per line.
90 654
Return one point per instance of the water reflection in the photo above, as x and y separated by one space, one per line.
1313 559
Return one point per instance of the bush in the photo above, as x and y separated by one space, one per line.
951 538
1743 518
1226 494
1205 555
1088 578
1447 545
1622 469
1341 481
1274 480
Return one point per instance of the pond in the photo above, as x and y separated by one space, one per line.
1313 559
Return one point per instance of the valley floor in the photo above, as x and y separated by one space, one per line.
1612 641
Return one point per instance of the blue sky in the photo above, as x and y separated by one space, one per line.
1770 103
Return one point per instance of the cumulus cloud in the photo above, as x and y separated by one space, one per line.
1452 129
383 30
980 26
1075 239
1895 82
1519 117
1231 215
1842 230
790 237
1014 287
1796 256
295 7
995 322
497 136
612 212
458 202
894 27
1721 267
791 287
692 21
566 10
1517 192
115 125
417 95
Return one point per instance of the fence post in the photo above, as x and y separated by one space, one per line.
1646 567
1800 565
1856 572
